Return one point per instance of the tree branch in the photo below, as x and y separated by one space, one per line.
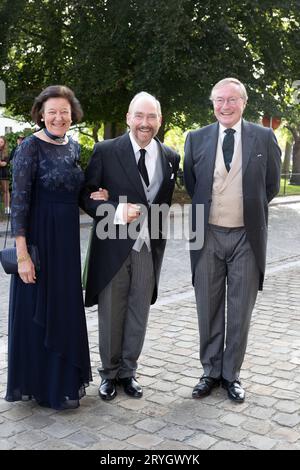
292 130
85 133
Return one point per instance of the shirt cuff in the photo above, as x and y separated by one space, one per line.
119 218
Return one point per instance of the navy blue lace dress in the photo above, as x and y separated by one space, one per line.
48 353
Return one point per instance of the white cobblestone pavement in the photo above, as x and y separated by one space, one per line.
167 417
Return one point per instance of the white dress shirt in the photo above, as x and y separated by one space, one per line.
151 157
237 135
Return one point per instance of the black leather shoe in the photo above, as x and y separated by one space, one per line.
205 386
107 389
234 390
132 387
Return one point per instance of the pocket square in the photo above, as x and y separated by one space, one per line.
259 155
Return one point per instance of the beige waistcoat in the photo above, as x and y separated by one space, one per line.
227 192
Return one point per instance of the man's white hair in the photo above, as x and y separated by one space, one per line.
144 94
228 81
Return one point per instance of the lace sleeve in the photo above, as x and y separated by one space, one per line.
77 153
24 172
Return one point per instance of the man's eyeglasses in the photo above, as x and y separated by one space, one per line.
221 101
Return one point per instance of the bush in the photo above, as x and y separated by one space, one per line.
85 156
12 138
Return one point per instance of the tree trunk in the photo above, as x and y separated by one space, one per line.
95 132
295 179
113 129
287 160
161 132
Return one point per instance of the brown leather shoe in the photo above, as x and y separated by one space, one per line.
234 389
205 386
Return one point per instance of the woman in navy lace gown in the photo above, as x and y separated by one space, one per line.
48 354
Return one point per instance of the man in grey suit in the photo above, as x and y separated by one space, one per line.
232 167
123 270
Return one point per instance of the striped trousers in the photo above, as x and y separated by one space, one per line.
226 285
123 309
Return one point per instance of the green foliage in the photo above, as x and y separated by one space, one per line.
85 156
86 137
107 50
12 138
175 139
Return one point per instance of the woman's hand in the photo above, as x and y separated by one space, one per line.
26 267
26 271
100 195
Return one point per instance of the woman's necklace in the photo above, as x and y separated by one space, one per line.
58 139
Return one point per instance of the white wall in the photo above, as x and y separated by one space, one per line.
7 123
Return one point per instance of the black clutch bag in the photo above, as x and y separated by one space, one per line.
8 259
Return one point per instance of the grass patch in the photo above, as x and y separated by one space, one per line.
287 189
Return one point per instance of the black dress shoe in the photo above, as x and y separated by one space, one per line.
234 390
132 387
107 389
205 386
